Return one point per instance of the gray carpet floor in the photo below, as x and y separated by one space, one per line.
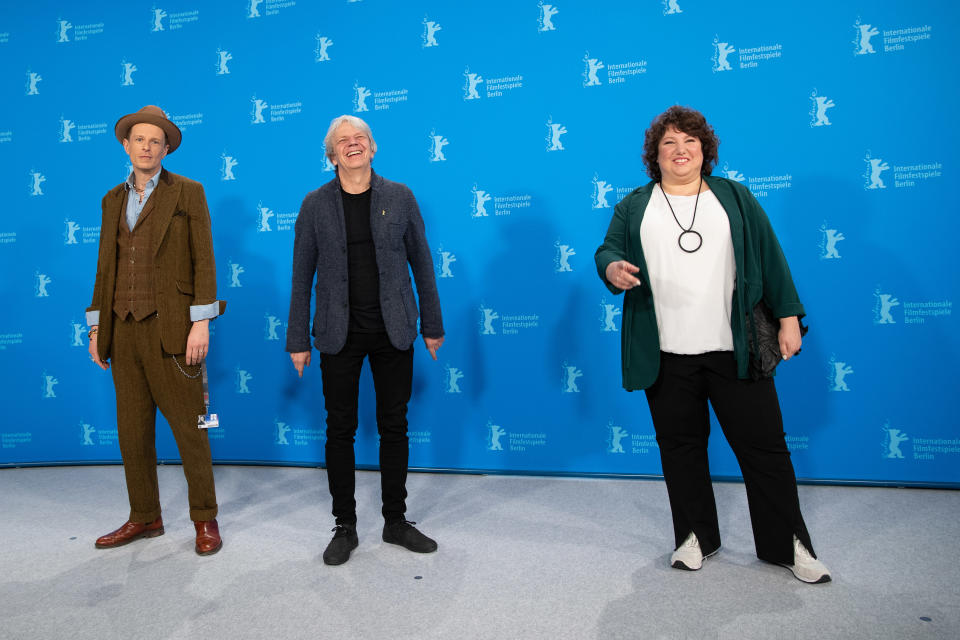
519 557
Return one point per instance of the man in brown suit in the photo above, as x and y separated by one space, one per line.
154 296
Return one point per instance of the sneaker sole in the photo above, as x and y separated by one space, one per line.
679 564
400 544
821 580
333 562
825 578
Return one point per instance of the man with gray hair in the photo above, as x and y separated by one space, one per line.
356 235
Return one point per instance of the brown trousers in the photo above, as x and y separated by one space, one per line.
146 378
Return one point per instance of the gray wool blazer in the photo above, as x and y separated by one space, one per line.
320 249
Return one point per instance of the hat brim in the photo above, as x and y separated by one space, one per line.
172 131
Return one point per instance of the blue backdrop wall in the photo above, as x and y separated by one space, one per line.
518 125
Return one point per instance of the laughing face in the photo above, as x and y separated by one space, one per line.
680 157
351 148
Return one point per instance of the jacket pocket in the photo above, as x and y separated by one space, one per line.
395 233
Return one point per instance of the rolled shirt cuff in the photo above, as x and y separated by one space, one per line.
93 318
204 311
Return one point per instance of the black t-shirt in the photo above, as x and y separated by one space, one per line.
364 277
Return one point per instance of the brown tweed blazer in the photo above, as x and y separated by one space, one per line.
184 268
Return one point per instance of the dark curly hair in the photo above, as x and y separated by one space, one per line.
689 121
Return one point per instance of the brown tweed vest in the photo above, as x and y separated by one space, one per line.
134 293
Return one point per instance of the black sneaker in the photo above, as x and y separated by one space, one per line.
344 541
403 533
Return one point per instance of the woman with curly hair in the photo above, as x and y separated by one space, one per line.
695 255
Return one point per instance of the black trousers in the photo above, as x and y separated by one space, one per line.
392 380
749 414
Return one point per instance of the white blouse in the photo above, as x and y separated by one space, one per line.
692 292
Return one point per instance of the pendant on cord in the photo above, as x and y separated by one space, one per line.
689 240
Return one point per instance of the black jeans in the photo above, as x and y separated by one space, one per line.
749 414
392 380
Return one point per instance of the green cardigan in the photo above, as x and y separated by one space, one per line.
762 273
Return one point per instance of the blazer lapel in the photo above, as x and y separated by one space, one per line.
111 218
337 212
147 208
379 215
376 220
107 261
164 206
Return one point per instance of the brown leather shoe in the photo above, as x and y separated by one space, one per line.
208 537
129 532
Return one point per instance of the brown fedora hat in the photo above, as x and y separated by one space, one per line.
151 115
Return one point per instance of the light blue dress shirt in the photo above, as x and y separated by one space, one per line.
135 204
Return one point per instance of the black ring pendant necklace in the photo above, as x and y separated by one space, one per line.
692 236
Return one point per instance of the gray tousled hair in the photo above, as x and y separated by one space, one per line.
329 142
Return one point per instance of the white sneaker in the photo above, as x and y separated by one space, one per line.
688 555
805 567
